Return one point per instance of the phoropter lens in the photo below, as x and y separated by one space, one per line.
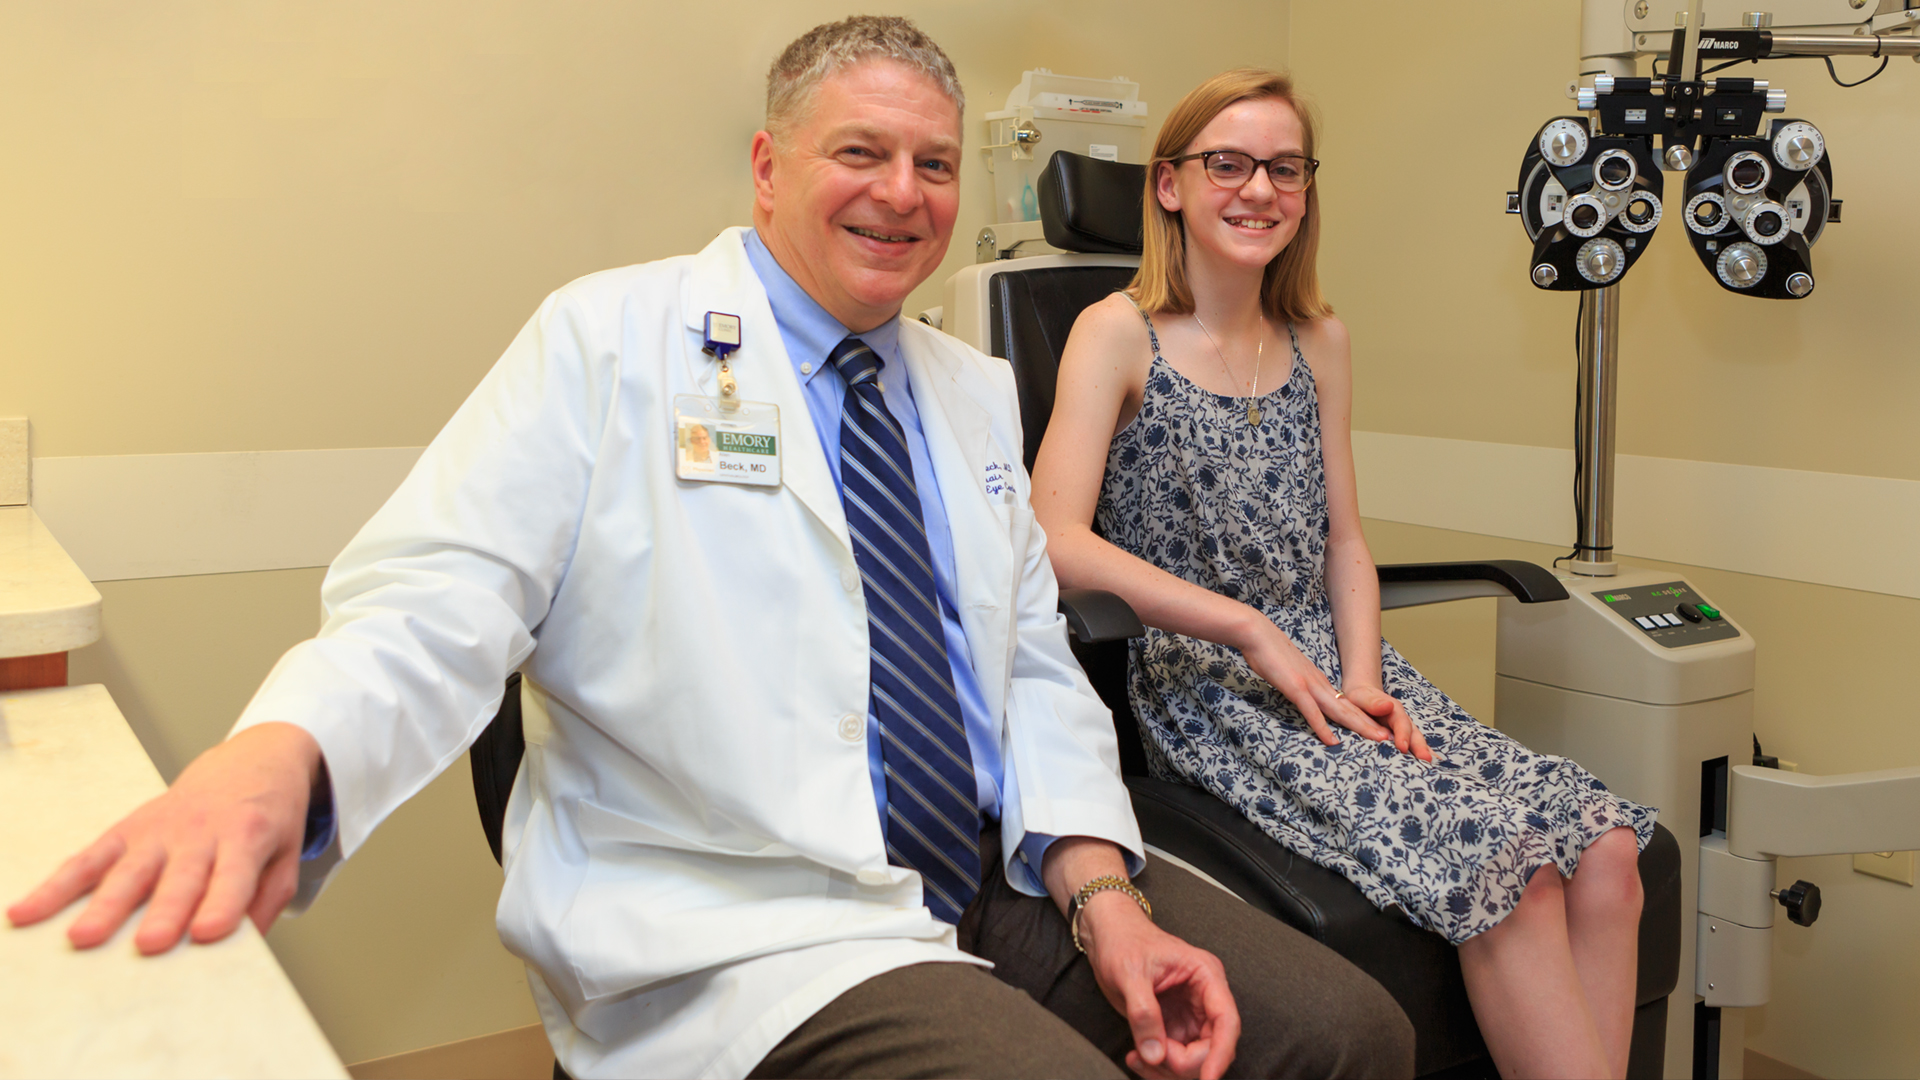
1614 170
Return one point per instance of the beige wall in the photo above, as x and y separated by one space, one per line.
275 226
268 226
1428 109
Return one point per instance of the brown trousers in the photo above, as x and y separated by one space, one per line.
1304 1011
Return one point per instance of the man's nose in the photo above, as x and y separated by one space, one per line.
897 187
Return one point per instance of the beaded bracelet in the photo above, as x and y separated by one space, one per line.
1087 892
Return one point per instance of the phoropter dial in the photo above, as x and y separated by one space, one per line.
1798 146
1706 213
1585 214
1741 265
1563 142
1642 212
1765 222
1600 260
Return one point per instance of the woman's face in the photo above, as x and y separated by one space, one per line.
1249 226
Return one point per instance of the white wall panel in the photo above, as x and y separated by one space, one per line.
164 515
167 515
1854 532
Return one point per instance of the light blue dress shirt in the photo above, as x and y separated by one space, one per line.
810 335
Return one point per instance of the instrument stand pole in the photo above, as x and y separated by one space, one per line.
1593 431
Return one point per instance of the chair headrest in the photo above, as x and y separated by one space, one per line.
1091 205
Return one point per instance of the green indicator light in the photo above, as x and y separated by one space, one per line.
1708 611
1608 598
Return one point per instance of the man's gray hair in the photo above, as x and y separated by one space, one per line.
831 47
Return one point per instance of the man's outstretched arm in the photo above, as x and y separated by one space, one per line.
222 842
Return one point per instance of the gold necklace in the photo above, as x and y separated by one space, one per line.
1253 407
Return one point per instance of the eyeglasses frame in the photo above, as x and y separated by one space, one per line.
1259 165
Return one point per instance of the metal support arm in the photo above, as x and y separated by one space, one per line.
1771 813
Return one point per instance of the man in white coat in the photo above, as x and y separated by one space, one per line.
818 755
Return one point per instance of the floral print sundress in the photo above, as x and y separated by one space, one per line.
1241 508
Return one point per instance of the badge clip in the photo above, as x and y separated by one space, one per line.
722 338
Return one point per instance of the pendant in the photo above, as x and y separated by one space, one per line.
1253 415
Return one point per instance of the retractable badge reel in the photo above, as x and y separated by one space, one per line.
726 439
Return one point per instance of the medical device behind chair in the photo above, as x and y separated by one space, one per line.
1643 679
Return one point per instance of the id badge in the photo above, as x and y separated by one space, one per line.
728 442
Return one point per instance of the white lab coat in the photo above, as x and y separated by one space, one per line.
694 859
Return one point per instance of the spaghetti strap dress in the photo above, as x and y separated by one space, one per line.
1234 500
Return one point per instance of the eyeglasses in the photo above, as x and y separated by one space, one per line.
1231 169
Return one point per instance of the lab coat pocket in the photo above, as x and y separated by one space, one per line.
653 902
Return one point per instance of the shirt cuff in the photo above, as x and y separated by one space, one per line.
322 825
1026 864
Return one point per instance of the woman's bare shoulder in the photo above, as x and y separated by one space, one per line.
1325 337
1111 321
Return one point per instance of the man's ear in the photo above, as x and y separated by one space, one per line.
1163 187
762 161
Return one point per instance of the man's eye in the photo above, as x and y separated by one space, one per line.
937 166
857 152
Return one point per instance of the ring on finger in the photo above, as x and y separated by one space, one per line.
1339 694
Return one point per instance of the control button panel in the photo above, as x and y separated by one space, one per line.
1670 613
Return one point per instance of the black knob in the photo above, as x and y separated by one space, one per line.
1689 612
1802 901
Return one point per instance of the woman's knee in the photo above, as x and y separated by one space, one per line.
1609 872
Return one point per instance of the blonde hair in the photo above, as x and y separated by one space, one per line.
1290 289
831 47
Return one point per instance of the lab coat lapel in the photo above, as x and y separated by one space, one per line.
723 280
959 431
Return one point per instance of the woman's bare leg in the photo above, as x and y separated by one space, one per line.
1603 900
1527 994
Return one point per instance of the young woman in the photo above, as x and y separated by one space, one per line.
1213 488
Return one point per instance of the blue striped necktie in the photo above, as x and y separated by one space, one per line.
933 823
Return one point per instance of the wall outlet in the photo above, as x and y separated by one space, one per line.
1895 866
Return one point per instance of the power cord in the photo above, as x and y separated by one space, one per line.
1579 448
1831 73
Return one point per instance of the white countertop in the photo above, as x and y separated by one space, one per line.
46 604
69 768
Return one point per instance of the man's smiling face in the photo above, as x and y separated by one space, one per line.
856 200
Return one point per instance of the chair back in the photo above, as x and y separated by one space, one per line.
1021 309
495 757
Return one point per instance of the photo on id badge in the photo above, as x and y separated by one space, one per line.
696 447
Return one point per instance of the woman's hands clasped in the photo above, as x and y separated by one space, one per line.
1363 708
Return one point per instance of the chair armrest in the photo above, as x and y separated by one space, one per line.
1096 615
1413 584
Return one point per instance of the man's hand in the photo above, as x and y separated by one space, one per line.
1174 996
222 842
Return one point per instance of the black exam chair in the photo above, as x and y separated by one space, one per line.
1022 309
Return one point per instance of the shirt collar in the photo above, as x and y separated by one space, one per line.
809 331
